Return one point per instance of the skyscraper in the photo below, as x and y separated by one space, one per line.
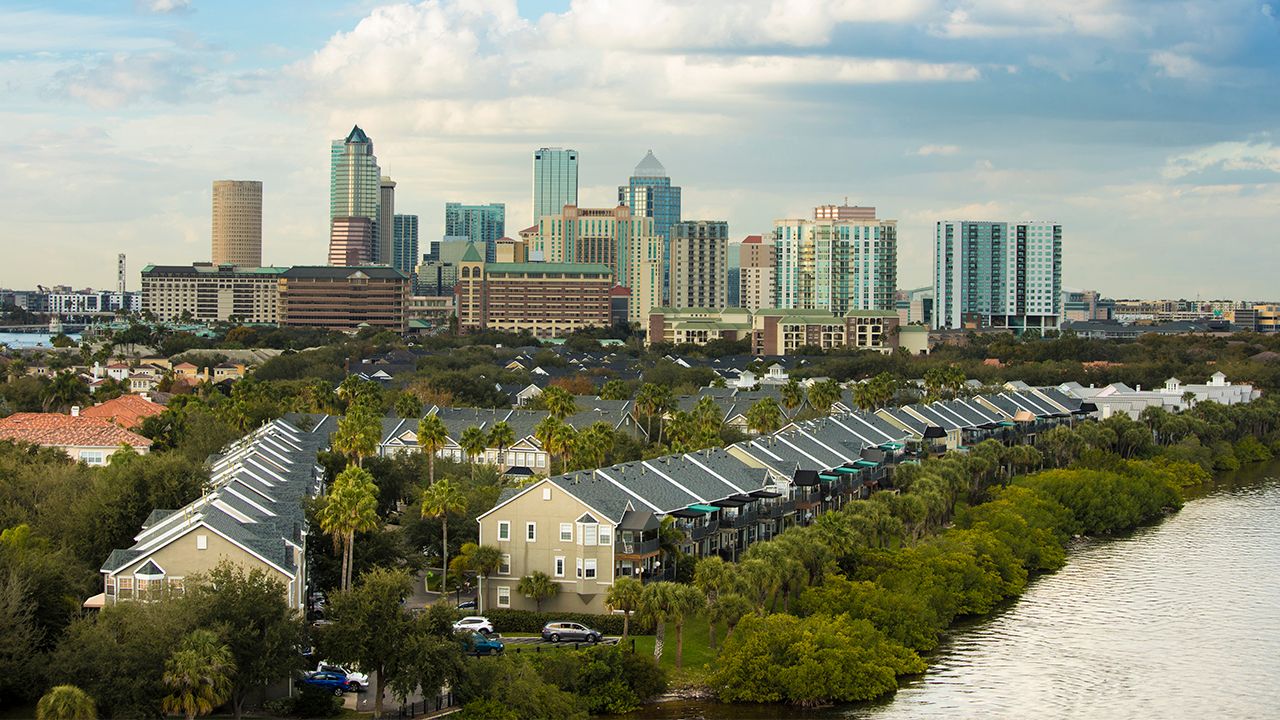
836 265
555 181
699 264
404 243
382 250
480 224
756 274
355 189
237 222
649 193
997 274
350 241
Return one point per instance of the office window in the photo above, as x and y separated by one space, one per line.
566 532
504 596
559 567
531 531
504 530
504 567
589 568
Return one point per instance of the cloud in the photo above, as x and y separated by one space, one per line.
927 150
1177 65
123 78
165 7
1225 156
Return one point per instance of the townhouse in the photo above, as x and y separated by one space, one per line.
251 514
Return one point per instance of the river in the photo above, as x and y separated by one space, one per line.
1176 620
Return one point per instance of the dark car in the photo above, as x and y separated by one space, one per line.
480 644
569 631
467 605
332 681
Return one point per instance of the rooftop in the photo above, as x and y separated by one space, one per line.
649 167
57 430
127 411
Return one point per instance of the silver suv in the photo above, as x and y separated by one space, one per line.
569 631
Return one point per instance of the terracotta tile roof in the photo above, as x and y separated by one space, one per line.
55 430
753 239
127 411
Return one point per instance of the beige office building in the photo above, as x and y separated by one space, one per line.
699 264
756 273
208 293
237 223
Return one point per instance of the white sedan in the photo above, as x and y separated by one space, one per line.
475 623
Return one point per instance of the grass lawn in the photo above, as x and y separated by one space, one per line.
698 655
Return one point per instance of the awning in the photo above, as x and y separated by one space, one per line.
765 494
827 477
1088 407
638 520
865 463
891 446
933 431
875 455
96 602
1006 423
847 470
728 503
519 471
703 508
685 513
988 426
744 499
805 477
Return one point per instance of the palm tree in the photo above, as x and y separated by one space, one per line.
538 586
350 507
64 391
408 405
545 432
729 609
473 442
432 435
655 606
682 432
199 674
713 576
624 595
765 416
824 394
614 390
685 602
438 501
709 420
653 400
559 402
66 702
792 394
485 561
501 436
358 434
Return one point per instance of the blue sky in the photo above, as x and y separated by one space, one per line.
1147 128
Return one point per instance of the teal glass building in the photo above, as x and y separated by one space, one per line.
481 224
555 181
404 244
355 188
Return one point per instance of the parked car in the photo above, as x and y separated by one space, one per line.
569 631
475 623
479 644
356 681
467 605
332 681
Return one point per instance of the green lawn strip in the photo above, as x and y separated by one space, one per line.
698 655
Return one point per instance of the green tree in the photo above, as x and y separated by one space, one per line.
350 507
474 442
548 433
64 391
714 577
822 395
538 586
624 595
66 702
198 674
792 394
655 606
20 637
686 601
501 436
614 390
558 401
765 416
432 436
408 405
261 630
483 560
358 433
439 501
653 401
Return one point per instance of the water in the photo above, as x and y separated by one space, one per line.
1178 620
31 340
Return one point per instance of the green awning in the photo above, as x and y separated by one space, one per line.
847 470
891 446
865 463
1006 423
827 477
703 508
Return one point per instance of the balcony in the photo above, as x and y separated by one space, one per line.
637 548
740 520
785 507
698 532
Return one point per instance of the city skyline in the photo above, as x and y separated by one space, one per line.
1105 117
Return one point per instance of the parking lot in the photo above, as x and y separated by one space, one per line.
534 643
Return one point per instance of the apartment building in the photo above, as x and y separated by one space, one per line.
209 293
997 275
836 265
757 274
698 276
697 326
344 298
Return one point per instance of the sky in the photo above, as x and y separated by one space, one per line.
1147 128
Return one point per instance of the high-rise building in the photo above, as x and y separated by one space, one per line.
844 212
404 243
649 193
383 247
555 181
835 265
120 274
997 275
355 185
237 222
350 241
757 277
698 275
480 224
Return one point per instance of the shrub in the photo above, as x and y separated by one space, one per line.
310 702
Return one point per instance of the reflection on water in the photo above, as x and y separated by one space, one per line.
1177 620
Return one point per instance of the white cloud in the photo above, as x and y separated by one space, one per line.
927 150
1226 156
165 6
123 78
1177 65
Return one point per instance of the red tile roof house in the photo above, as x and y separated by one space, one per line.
87 439
127 411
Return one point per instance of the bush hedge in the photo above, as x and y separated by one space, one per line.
527 621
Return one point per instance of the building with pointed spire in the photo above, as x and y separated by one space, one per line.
355 191
649 193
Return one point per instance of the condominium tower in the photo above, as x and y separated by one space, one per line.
355 188
480 224
698 274
757 274
384 241
997 274
649 193
404 243
835 265
237 222
555 181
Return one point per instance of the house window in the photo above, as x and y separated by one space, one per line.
546 493
589 568
202 542
606 535
559 568
588 534
111 586
504 596
92 457
579 563
175 586
504 568
531 531
566 532
504 530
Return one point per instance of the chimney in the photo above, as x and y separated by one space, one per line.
75 411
